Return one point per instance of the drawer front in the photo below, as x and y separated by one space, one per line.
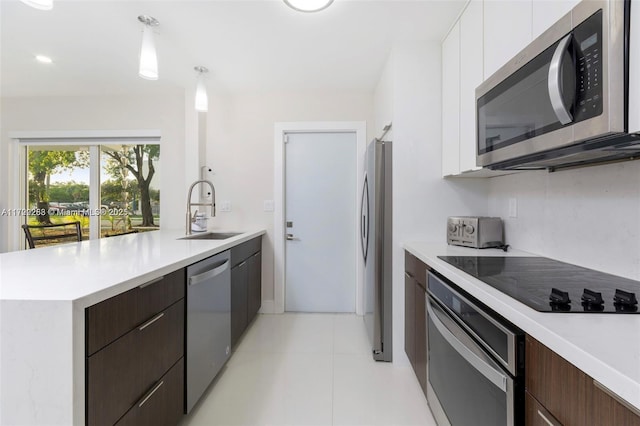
416 268
564 390
243 251
120 373
162 404
114 317
536 414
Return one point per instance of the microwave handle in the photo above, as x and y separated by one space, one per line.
555 76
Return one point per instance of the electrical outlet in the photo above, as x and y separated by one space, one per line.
225 206
268 205
513 207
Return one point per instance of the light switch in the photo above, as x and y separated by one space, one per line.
268 205
225 206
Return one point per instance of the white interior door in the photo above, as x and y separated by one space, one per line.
320 214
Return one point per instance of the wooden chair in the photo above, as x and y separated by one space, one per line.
59 232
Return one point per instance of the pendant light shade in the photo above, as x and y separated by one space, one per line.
308 5
202 100
39 4
148 57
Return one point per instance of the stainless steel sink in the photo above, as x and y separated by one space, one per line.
211 236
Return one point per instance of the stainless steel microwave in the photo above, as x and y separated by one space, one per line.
564 100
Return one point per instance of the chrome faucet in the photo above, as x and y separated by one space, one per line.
189 203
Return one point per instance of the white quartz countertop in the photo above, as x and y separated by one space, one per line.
604 346
91 271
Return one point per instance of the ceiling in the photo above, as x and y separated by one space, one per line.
248 45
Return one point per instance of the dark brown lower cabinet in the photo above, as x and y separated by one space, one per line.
162 404
420 364
239 292
246 286
608 411
565 395
134 351
120 374
409 317
254 290
415 319
536 414
561 388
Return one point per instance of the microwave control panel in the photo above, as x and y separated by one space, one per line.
588 62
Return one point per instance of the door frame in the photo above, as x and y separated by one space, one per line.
280 129
17 169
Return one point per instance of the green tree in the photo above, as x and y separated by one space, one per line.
68 192
133 158
42 164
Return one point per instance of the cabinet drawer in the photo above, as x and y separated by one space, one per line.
120 373
112 318
564 390
416 268
241 252
162 404
536 414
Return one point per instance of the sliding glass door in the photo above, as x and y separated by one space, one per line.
110 188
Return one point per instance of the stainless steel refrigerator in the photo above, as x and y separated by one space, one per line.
375 229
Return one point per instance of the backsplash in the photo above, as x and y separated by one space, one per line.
589 216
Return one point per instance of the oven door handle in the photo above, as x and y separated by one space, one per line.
481 362
555 82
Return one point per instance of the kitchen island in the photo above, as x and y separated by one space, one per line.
606 347
43 296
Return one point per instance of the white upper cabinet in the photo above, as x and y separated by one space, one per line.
546 13
471 76
451 103
507 30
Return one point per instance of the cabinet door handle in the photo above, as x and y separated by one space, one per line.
546 419
151 321
150 394
255 254
157 280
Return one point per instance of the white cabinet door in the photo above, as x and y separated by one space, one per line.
507 30
546 13
451 103
471 76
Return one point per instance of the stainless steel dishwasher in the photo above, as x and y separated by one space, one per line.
208 323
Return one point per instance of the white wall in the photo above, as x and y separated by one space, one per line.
240 149
586 216
166 113
409 94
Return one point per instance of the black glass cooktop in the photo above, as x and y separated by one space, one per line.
548 285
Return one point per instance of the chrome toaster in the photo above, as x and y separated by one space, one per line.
474 231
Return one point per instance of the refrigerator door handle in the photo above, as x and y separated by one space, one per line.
364 218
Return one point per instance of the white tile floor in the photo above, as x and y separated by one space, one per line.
310 369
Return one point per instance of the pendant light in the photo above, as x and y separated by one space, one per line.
308 5
39 4
148 57
202 100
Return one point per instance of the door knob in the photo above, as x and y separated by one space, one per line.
290 237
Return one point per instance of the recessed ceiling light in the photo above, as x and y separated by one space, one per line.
308 5
43 59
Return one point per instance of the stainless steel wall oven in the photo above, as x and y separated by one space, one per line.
475 363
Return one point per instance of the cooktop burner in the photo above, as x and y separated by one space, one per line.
548 285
